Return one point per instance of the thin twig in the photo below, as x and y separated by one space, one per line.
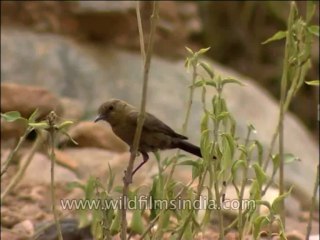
284 81
140 29
313 203
22 169
14 151
52 134
128 174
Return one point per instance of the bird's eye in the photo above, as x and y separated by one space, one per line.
110 108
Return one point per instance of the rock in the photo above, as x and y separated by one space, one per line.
95 162
295 235
25 228
38 172
72 109
99 135
12 130
97 6
119 75
292 204
26 99
232 236
9 218
65 160
9 235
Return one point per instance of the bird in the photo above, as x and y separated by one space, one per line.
155 135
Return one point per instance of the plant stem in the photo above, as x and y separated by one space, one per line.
14 151
140 29
52 185
16 179
284 81
313 203
128 174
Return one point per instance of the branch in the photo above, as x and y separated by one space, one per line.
128 173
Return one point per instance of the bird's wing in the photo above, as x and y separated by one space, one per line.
153 124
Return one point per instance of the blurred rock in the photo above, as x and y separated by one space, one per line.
9 218
295 235
115 23
9 235
100 73
12 130
73 109
38 172
292 204
26 99
98 6
232 236
24 228
65 160
99 135
95 162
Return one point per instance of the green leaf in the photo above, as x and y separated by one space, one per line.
226 160
314 29
277 203
187 64
313 82
255 190
258 223
34 116
289 158
204 122
243 149
110 179
136 225
39 125
70 138
195 171
252 128
207 68
115 225
260 174
211 83
198 83
189 163
275 161
277 36
222 115
90 187
311 9
189 50
236 165
72 185
230 141
260 151
203 50
205 144
65 124
231 80
11 116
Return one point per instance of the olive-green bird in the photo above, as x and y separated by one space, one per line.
155 134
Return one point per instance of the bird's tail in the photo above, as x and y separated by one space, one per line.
188 147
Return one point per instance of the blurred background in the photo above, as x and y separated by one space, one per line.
71 56
234 30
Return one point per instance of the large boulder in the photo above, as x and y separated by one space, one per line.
26 99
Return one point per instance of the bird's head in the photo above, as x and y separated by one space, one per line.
111 110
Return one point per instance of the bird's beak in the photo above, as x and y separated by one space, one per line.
98 118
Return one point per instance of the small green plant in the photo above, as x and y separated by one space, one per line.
296 63
49 128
